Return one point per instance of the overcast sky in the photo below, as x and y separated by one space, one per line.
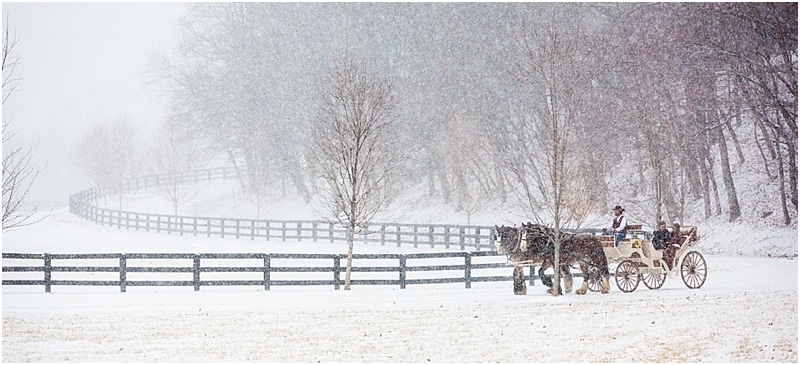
81 63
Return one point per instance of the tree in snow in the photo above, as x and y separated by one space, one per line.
464 158
19 168
351 146
554 70
173 154
110 155
754 49
234 85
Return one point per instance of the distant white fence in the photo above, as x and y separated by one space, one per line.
429 235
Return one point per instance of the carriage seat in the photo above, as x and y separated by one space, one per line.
688 234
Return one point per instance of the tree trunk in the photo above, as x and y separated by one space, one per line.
786 219
727 177
351 233
792 147
736 144
704 180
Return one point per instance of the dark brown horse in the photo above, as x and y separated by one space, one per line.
533 244
582 249
509 241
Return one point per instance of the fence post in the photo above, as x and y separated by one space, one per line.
222 228
266 230
530 275
196 272
478 238
267 269
48 270
237 228
402 271
461 239
337 267
383 234
467 270
283 231
123 271
398 236
446 236
252 230
299 231
416 235
314 231
330 231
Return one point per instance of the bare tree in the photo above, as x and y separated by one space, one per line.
555 69
351 146
19 168
235 84
463 154
109 155
173 154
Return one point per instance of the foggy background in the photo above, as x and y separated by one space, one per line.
81 64
671 118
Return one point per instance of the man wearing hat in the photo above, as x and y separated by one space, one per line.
618 226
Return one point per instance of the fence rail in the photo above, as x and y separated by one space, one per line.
251 269
399 234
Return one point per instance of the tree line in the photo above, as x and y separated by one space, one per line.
556 109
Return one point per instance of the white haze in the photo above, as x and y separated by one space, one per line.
81 63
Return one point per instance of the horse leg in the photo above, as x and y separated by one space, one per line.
545 280
566 274
585 286
606 286
520 288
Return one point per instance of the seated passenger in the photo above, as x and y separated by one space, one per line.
675 242
661 237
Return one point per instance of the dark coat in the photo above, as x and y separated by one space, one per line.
660 239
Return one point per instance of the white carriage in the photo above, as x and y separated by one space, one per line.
638 261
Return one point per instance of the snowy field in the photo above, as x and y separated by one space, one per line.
745 312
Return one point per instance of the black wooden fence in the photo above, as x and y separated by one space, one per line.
430 235
251 269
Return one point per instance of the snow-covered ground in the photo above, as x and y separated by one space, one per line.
746 311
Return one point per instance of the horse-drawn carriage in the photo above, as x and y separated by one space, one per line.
636 258
638 261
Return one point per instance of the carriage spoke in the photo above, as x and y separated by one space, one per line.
653 280
627 276
694 270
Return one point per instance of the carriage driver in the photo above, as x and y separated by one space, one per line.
619 225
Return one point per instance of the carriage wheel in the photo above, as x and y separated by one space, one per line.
652 280
595 281
694 270
627 276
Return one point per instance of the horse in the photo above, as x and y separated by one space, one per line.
583 249
509 240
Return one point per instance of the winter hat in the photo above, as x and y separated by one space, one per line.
619 208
